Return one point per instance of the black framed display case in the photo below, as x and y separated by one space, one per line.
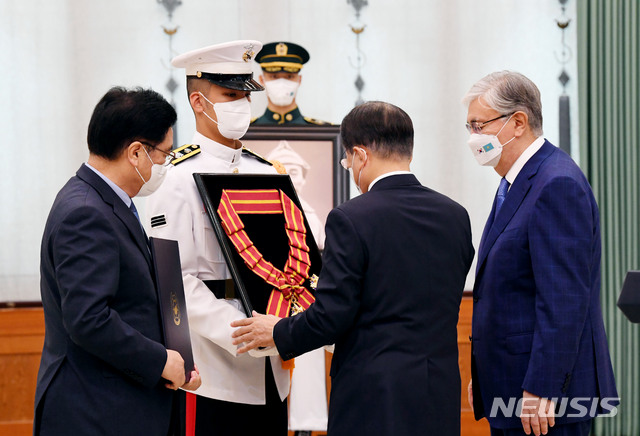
266 231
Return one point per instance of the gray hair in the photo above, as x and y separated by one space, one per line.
508 92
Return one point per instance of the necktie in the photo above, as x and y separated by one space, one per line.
502 193
135 212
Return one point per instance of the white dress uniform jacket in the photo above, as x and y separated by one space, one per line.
225 376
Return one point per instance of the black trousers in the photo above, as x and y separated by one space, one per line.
223 418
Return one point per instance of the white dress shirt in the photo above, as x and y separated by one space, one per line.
523 159
382 176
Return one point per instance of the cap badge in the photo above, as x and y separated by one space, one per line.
249 53
282 49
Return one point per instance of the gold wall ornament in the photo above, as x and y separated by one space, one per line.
170 32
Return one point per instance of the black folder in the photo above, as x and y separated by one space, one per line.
629 300
173 308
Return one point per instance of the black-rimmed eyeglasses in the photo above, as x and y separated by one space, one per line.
168 155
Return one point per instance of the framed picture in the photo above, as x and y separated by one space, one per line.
311 155
263 234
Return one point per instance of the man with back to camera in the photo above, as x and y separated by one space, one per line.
281 63
240 395
104 368
537 331
389 292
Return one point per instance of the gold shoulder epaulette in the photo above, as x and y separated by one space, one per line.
277 165
254 119
245 150
185 152
315 121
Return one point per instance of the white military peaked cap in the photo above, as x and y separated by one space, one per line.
228 64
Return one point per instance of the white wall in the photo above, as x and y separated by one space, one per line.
58 58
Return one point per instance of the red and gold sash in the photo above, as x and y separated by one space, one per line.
288 295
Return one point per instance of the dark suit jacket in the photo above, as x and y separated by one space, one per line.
537 321
103 354
393 273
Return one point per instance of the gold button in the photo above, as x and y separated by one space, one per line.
235 171
276 117
289 117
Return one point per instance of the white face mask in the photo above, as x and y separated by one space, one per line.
157 177
487 149
281 92
233 117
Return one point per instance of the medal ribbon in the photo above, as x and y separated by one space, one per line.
288 292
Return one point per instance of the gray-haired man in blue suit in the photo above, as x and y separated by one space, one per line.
538 336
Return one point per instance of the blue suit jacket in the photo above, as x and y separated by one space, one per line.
103 354
388 296
537 320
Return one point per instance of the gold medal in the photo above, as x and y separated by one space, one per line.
295 306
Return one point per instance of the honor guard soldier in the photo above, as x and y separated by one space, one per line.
281 63
239 394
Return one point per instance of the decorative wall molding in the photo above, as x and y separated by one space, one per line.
170 30
564 57
357 28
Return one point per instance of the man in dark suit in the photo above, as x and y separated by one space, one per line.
104 368
388 296
538 338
